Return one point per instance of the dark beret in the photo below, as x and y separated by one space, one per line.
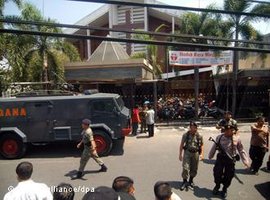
230 127
86 121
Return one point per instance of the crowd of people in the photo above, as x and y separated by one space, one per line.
145 116
175 108
122 189
228 145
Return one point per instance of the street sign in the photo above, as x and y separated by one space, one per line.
200 58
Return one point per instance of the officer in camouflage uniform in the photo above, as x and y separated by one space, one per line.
191 143
89 148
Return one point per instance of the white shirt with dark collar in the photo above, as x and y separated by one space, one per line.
29 190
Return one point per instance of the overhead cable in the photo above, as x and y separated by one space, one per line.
127 3
91 28
151 42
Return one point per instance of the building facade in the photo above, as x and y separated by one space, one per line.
214 83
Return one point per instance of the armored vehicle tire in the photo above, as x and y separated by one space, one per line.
11 146
103 142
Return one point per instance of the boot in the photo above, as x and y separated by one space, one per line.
224 192
191 184
184 185
103 168
215 190
79 174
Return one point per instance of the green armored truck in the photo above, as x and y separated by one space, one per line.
47 119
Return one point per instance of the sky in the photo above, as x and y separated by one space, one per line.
70 12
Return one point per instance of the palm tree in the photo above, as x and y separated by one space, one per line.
151 51
2 5
240 26
203 24
41 57
3 2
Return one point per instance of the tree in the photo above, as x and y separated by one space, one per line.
240 26
2 5
203 24
151 52
3 2
39 58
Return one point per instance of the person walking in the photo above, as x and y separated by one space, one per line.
27 189
89 149
258 144
135 120
150 120
227 144
191 143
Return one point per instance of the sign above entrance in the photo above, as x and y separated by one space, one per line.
200 58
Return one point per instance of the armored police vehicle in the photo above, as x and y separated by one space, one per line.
46 119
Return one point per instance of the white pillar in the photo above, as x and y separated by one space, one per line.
173 26
88 45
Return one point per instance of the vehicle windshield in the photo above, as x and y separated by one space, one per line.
120 102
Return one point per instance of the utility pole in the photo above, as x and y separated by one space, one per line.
235 71
196 88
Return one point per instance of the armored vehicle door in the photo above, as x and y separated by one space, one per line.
39 125
105 111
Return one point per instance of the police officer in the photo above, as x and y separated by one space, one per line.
191 143
89 148
226 143
227 120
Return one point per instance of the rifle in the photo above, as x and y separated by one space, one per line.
235 158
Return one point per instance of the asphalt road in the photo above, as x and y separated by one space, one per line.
146 160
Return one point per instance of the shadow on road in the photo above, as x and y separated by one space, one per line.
204 193
263 189
175 184
242 171
265 170
53 150
66 149
142 137
73 173
118 147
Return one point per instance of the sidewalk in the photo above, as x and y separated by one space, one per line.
209 126
201 122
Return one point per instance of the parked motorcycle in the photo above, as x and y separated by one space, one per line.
214 112
188 112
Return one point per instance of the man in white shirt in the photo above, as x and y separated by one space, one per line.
27 189
150 120
163 191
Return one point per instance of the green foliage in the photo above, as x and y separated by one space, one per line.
246 30
201 24
36 55
152 50
138 55
3 2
